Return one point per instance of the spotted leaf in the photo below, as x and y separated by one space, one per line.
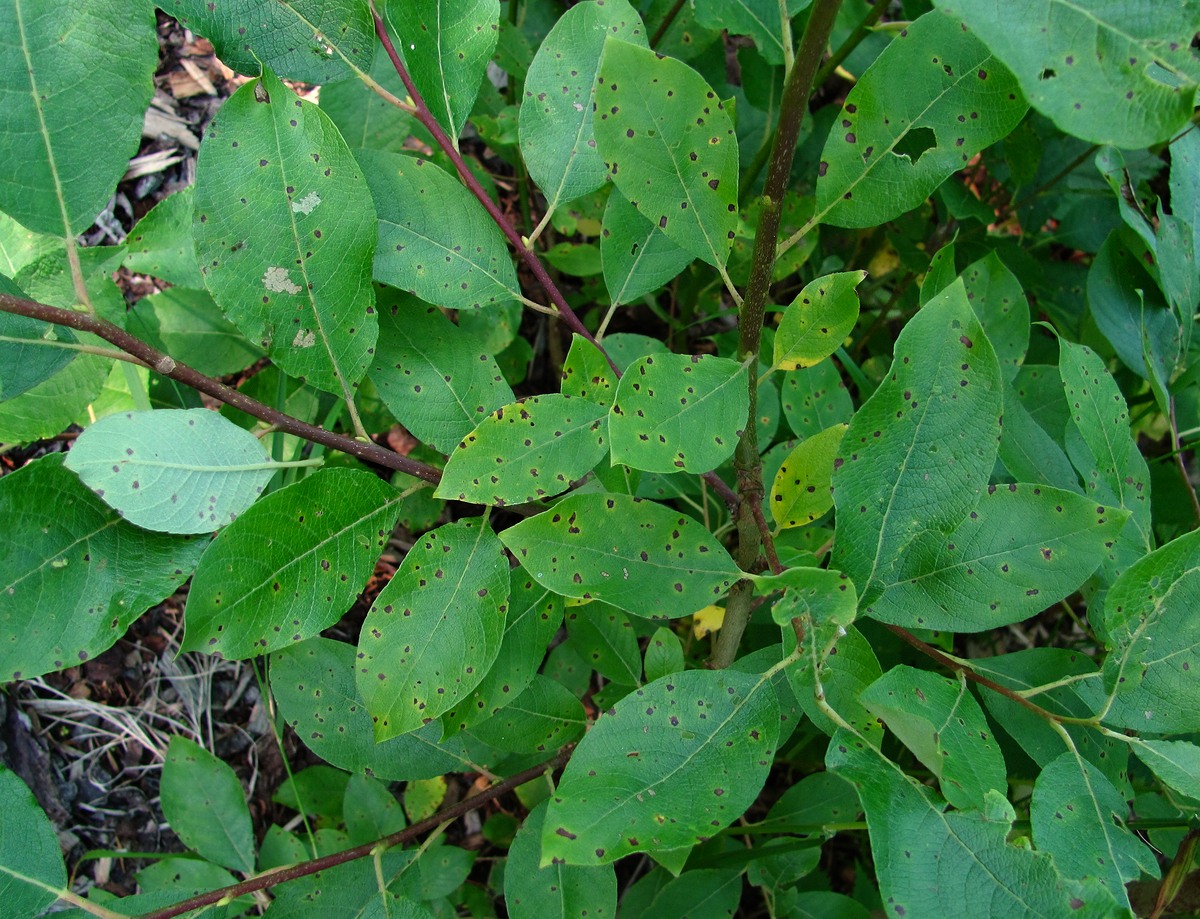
670 147
637 555
801 492
815 398
587 374
817 321
636 256
435 630
540 720
679 412
620 794
527 450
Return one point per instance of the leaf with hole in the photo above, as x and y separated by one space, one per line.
56 175
204 802
434 631
528 450
932 100
77 575
678 412
557 142
639 556
313 683
1111 73
446 45
670 147
280 234
801 491
172 470
817 321
435 239
619 793
1022 549
311 41
932 426
290 566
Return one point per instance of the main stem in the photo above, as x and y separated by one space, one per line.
746 461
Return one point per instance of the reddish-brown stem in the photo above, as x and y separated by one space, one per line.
326 862
169 367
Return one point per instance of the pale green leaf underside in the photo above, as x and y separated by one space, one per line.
624 790
639 556
73 104
291 565
280 234
76 575
203 801
670 147
1120 72
932 100
434 631
173 470
1175 762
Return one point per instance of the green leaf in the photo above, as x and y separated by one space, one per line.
534 617
604 637
28 354
311 41
670 147
528 450
189 326
370 810
435 629
943 859
998 301
313 683
64 152
437 379
664 654
759 19
28 849
672 764
291 565
837 654
317 791
587 374
635 255
677 412
1078 817
275 218
815 398
1154 635
1109 73
707 893
172 470
20 247
540 720
366 119
941 723
801 491
637 555
1028 452
435 239
1022 549
817 321
162 244
446 45
1175 762
557 142
932 427
556 891
75 575
204 802
933 99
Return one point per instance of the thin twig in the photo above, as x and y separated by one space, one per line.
167 366
290 873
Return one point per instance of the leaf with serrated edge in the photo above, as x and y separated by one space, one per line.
291 565
206 806
618 794
556 116
670 147
528 450
678 412
172 470
817 321
933 99
637 555
932 426
281 236
76 575
435 629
